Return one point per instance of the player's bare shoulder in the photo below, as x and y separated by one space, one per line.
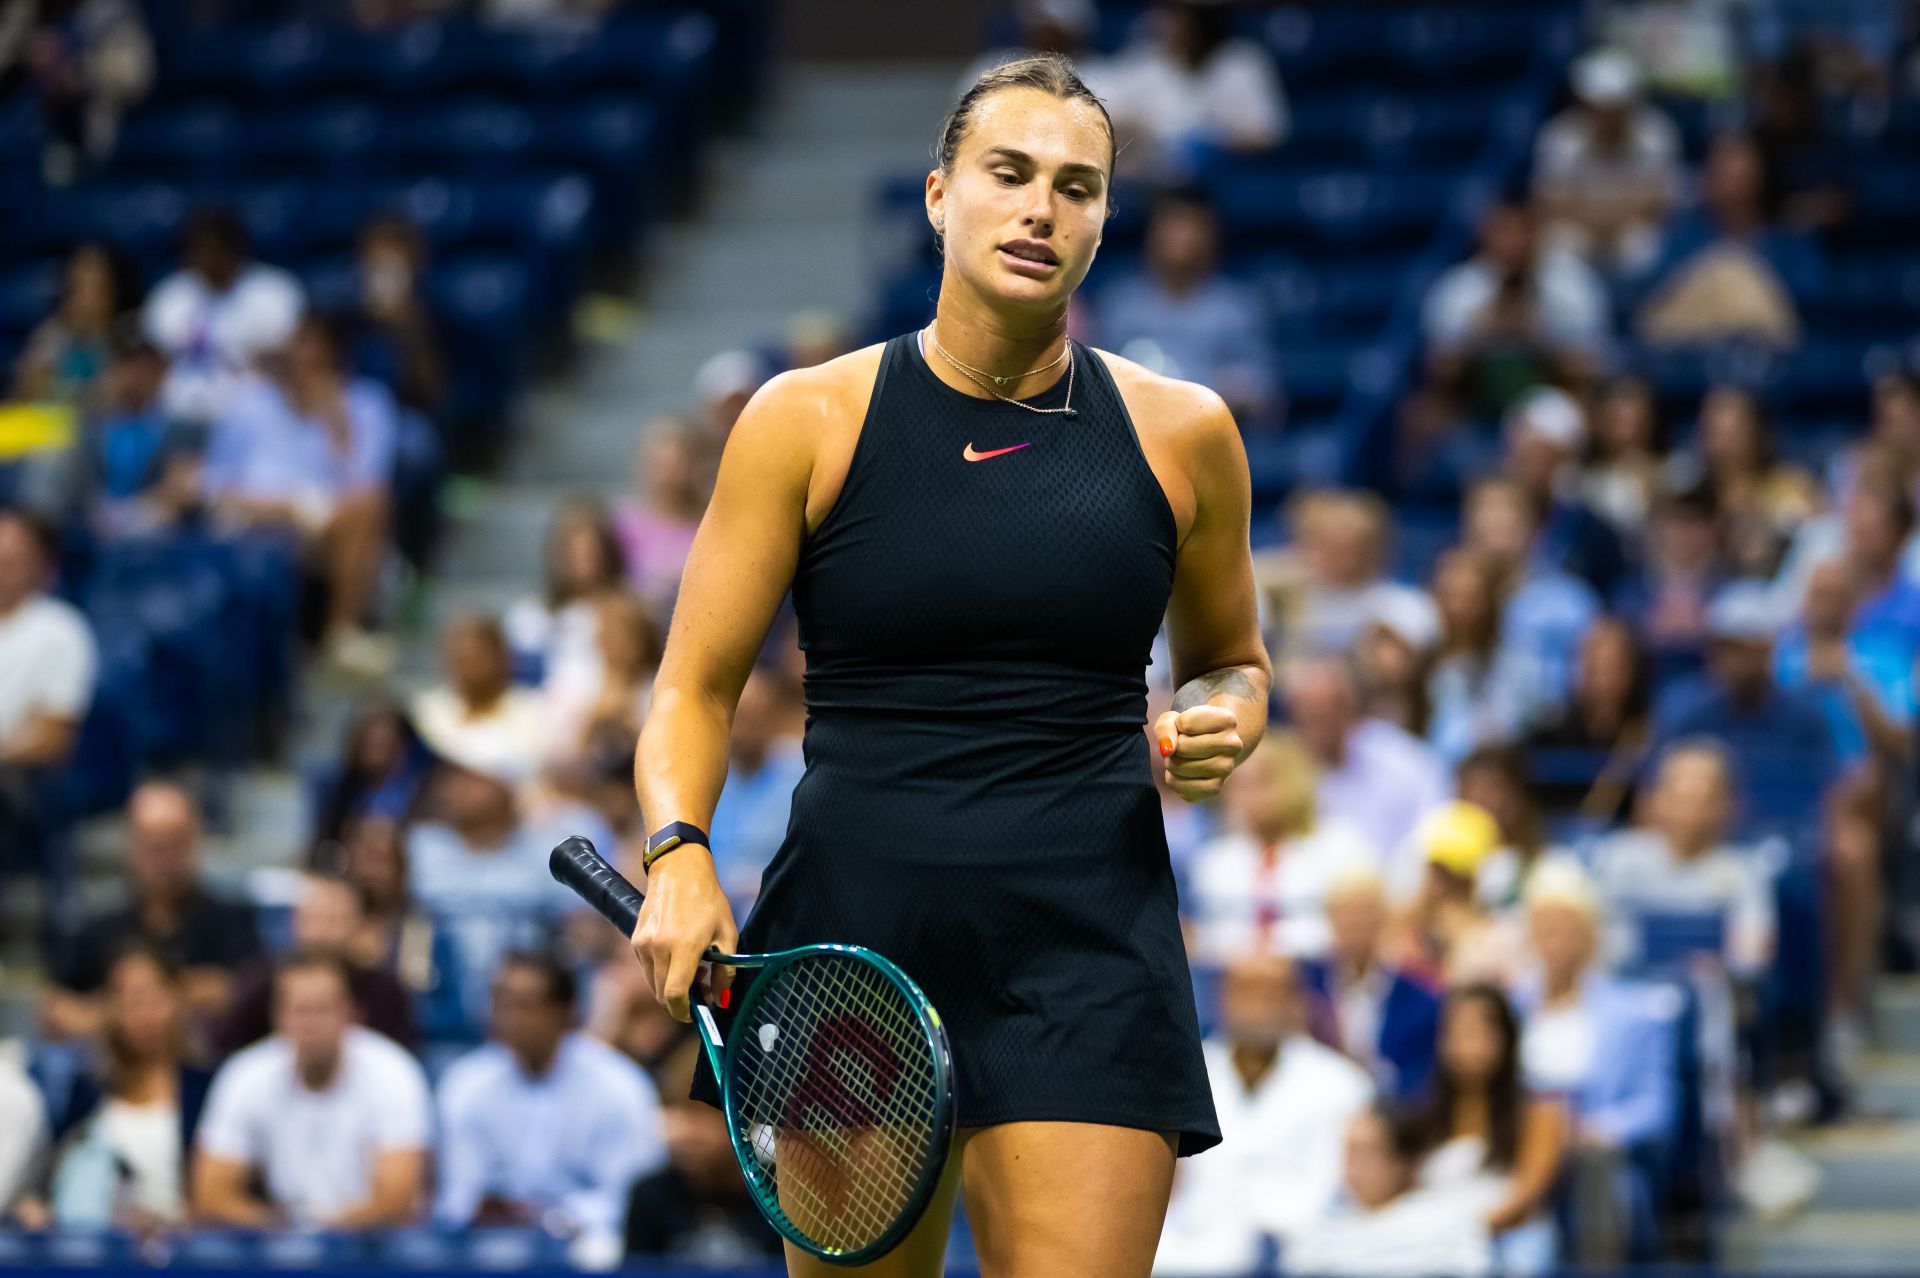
1160 403
1186 431
811 418
819 396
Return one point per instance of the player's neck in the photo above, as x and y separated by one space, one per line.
998 347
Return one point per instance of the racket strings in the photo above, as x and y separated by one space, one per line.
848 1191
835 1092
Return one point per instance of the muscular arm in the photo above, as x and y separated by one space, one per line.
740 566
1213 628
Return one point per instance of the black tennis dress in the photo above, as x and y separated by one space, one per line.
978 803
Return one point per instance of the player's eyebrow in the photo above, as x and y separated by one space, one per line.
1021 157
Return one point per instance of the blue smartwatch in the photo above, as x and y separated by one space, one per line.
670 836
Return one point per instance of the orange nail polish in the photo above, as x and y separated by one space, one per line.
1166 746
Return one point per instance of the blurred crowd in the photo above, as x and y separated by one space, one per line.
1551 899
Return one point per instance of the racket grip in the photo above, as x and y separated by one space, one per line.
575 864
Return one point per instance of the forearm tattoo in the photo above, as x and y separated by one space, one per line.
1234 681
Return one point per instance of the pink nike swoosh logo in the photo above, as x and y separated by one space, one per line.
971 455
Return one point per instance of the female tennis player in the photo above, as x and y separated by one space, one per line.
983 524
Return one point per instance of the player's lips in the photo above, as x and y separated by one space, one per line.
1030 257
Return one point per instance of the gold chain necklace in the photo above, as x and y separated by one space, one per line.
1010 377
1066 409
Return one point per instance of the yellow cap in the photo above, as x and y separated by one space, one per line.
1457 836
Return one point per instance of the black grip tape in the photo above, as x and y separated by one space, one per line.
575 863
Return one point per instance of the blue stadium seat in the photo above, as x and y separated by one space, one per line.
332 282
1886 199
1369 127
482 303
183 140
1458 44
670 54
1350 302
1315 380
141 220
319 138
1351 211
616 142
28 295
1827 379
1321 45
473 136
521 63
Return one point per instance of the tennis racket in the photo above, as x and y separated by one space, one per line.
835 1078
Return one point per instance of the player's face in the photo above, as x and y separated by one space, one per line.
1023 208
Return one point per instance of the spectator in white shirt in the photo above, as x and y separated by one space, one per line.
1187 81
1385 1228
1607 170
544 1119
1683 864
1284 1102
477 713
331 1117
1262 889
216 314
553 634
1378 778
47 670
1515 301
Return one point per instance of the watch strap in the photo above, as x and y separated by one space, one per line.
670 836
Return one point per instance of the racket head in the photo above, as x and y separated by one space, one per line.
837 1083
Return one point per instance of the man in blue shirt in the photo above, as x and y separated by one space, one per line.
1862 677
544 1121
1781 746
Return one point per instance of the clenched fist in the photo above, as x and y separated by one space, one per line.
1201 746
